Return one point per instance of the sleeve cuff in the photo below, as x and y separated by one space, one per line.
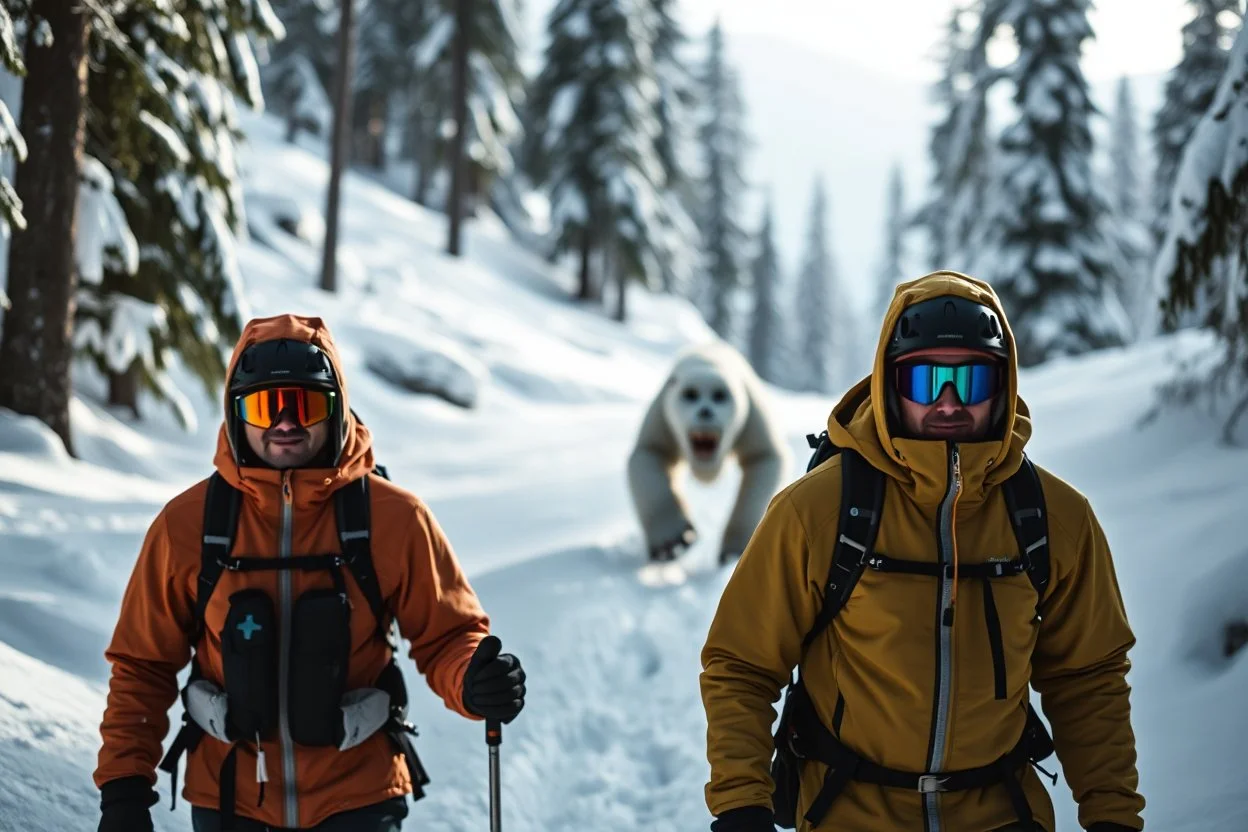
137 789
745 819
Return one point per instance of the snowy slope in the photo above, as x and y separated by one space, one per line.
530 487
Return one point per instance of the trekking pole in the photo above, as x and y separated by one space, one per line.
493 739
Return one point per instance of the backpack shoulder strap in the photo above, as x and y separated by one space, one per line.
1024 498
862 500
822 449
351 507
217 544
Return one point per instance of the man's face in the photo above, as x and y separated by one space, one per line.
948 418
286 444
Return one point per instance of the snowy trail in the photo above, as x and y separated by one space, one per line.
613 733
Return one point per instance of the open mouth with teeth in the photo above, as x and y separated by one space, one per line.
704 443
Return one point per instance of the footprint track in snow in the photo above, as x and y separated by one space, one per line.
617 742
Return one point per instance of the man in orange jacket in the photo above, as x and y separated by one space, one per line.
281 576
913 708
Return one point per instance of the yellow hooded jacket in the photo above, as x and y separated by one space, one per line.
883 664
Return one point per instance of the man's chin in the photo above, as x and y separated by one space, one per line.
956 433
288 456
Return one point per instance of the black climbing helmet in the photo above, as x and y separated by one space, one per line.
282 362
277 363
948 321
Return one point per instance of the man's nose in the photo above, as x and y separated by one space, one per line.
286 420
948 401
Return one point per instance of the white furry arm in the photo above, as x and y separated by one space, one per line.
760 480
651 466
764 459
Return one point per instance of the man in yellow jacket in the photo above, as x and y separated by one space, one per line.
924 673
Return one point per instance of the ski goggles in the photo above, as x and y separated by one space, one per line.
263 408
922 382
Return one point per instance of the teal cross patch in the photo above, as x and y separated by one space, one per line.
249 626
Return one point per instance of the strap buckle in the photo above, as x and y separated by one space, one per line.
932 783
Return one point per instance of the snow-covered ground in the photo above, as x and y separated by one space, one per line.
529 484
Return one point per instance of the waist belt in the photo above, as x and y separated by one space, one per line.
395 727
811 740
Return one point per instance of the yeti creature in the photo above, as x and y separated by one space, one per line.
710 407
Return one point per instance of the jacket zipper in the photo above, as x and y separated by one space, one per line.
944 635
285 590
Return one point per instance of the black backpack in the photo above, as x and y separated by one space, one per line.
351 506
862 500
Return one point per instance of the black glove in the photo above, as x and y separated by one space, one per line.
672 549
124 805
745 819
1106 826
493 683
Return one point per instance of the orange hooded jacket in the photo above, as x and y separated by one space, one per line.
420 578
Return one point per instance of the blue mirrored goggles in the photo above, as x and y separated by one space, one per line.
922 382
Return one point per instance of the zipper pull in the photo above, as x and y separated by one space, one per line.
957 469
262 768
287 496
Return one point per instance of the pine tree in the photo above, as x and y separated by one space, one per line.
11 141
766 346
35 346
1127 217
675 87
300 71
723 142
389 81
592 137
1046 252
162 124
1188 94
673 111
1189 91
816 314
495 84
891 270
959 146
1203 263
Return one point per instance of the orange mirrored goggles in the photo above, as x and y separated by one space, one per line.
306 406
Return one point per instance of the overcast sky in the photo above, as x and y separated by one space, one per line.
897 37
1134 37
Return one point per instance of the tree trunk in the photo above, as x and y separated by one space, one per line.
473 198
368 128
426 161
123 389
621 282
419 143
292 127
36 348
585 292
340 142
379 120
454 205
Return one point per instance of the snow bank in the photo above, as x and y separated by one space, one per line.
29 437
439 367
